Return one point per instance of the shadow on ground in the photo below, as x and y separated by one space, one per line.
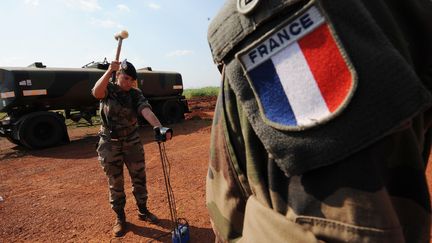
155 235
86 143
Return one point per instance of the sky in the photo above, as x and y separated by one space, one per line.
167 35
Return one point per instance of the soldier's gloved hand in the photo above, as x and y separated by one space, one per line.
162 133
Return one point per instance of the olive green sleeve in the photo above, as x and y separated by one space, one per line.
226 189
140 101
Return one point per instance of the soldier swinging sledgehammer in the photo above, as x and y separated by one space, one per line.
119 144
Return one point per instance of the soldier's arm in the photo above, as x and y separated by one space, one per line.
148 114
330 200
227 188
100 87
144 108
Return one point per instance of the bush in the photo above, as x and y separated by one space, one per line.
206 91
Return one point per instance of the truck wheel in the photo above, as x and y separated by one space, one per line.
172 111
13 140
41 131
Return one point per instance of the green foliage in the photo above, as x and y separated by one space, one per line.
206 91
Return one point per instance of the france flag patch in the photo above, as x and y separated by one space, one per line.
299 73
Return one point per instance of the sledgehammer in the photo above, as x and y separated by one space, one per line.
120 36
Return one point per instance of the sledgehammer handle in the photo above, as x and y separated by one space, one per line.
120 40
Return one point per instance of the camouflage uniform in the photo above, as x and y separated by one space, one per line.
355 176
120 143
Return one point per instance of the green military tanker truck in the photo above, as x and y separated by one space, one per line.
36 100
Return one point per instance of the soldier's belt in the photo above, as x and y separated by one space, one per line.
116 134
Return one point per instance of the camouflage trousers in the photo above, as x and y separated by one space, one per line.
112 154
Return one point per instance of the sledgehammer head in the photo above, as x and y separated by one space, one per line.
121 35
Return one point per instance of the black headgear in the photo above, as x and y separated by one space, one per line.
127 68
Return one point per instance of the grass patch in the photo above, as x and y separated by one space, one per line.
206 91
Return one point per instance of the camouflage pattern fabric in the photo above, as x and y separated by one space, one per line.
112 156
375 191
120 144
119 110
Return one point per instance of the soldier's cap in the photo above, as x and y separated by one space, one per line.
129 69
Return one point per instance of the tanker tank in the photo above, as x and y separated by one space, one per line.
34 88
156 84
33 98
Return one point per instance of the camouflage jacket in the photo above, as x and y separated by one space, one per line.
354 174
119 110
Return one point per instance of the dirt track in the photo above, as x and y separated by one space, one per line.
60 194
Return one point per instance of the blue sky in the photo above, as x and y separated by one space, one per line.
167 35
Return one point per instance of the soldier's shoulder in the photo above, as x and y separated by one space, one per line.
135 91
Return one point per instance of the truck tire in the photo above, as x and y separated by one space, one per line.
172 111
15 141
41 130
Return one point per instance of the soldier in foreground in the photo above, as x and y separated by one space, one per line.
120 141
322 128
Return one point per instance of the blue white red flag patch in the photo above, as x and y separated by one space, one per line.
299 72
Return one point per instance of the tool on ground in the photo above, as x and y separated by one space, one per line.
179 226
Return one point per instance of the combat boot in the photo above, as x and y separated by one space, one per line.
119 228
146 215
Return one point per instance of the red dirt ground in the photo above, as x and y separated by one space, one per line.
61 195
